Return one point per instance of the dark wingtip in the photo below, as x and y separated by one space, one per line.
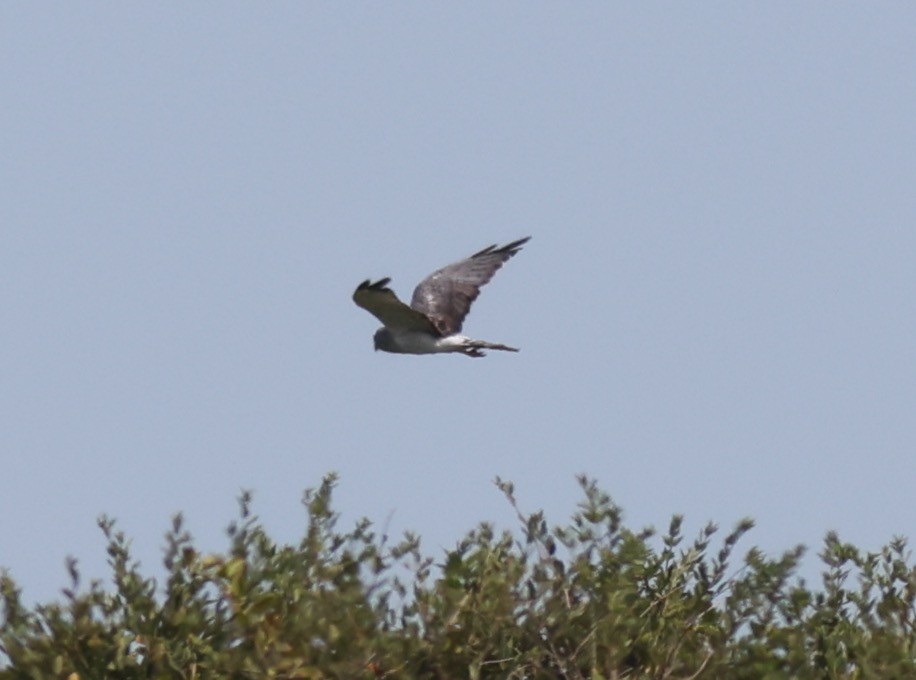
485 251
381 284
515 246
511 249
508 250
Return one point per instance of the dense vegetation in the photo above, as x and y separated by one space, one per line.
592 599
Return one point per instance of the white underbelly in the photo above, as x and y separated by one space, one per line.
418 343
423 343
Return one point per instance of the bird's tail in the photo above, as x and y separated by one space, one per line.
473 348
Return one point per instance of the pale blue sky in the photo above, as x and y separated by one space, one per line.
716 312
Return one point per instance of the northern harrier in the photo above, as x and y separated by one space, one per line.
432 322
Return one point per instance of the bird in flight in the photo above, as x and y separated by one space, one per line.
432 322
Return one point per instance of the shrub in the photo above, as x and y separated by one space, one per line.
590 599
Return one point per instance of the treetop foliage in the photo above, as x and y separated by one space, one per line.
586 600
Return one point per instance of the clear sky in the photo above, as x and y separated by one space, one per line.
717 309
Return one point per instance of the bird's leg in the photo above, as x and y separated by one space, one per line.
482 344
470 351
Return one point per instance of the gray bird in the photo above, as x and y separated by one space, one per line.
432 322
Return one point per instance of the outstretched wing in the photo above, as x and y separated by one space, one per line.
381 302
445 296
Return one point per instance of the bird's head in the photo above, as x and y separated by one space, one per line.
382 339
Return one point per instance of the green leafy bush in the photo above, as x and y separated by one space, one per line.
591 599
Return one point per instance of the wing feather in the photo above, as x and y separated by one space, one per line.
445 296
380 301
